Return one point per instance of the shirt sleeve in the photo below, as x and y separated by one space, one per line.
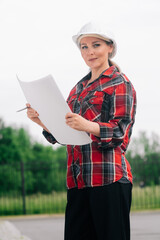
49 137
117 129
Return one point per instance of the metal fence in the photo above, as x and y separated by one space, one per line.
39 187
32 188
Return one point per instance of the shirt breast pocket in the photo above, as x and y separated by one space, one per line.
97 98
93 105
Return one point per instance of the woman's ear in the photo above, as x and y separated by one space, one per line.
110 48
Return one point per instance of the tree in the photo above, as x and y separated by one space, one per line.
44 167
144 157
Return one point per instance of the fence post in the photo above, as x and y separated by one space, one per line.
23 188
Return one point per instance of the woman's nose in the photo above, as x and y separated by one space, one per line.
90 51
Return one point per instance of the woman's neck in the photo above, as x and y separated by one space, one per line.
95 73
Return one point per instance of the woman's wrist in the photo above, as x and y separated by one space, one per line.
93 128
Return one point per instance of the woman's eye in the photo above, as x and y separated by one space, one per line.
96 45
83 47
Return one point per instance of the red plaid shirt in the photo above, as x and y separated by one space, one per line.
111 102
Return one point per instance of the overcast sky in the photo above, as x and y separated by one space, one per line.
36 40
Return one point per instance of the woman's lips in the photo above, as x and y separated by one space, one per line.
92 59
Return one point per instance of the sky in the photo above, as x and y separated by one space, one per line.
36 40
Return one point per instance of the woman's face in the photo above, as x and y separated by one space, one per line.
95 52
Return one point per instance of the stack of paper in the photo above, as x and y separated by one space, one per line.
46 98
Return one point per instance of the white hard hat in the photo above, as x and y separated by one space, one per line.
96 30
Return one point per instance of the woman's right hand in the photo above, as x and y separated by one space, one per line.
33 114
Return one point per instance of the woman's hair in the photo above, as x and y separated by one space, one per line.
111 63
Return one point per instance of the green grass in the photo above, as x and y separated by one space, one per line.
35 204
147 198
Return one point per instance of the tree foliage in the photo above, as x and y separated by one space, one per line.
144 157
44 167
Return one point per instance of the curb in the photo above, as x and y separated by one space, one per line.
37 216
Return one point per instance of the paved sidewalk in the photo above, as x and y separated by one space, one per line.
9 232
144 226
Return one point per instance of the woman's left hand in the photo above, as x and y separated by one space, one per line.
77 122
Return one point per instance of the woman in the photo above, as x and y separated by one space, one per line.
99 178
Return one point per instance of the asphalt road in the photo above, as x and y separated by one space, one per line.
144 226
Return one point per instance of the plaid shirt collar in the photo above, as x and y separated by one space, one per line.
109 72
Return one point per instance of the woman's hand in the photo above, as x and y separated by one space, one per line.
34 116
79 123
76 121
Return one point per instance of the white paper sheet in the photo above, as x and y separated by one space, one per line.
46 98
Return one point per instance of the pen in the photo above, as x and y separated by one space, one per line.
22 109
